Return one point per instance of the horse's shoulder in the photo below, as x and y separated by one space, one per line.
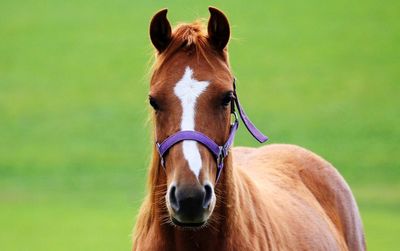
324 182
309 167
317 174
291 156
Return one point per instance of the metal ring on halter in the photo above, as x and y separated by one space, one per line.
236 117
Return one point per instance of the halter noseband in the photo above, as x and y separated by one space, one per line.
219 152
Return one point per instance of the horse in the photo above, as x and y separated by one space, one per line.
206 195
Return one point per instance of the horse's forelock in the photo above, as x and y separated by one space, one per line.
189 37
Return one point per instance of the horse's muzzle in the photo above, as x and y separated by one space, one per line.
190 204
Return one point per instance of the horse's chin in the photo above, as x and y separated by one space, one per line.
188 225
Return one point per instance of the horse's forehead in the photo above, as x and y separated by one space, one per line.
165 83
188 87
205 68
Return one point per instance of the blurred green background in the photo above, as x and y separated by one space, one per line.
75 144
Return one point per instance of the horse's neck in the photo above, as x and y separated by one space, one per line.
225 224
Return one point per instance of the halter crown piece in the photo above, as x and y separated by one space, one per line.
219 152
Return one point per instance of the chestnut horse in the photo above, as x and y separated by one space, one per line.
277 197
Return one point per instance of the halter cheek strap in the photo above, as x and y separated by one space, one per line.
257 134
219 151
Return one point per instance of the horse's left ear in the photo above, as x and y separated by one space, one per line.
218 29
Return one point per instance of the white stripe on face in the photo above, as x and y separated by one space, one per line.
188 90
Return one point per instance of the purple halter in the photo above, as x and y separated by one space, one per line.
219 152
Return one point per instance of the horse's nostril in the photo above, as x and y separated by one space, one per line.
172 198
208 195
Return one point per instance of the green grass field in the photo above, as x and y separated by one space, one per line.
74 137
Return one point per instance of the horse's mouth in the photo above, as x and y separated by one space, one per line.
191 225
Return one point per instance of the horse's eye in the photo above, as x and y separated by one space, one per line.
227 98
153 103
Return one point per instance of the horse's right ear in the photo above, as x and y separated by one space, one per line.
160 30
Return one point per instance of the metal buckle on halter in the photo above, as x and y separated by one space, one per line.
223 152
221 156
161 157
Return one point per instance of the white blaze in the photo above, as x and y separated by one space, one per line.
188 90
